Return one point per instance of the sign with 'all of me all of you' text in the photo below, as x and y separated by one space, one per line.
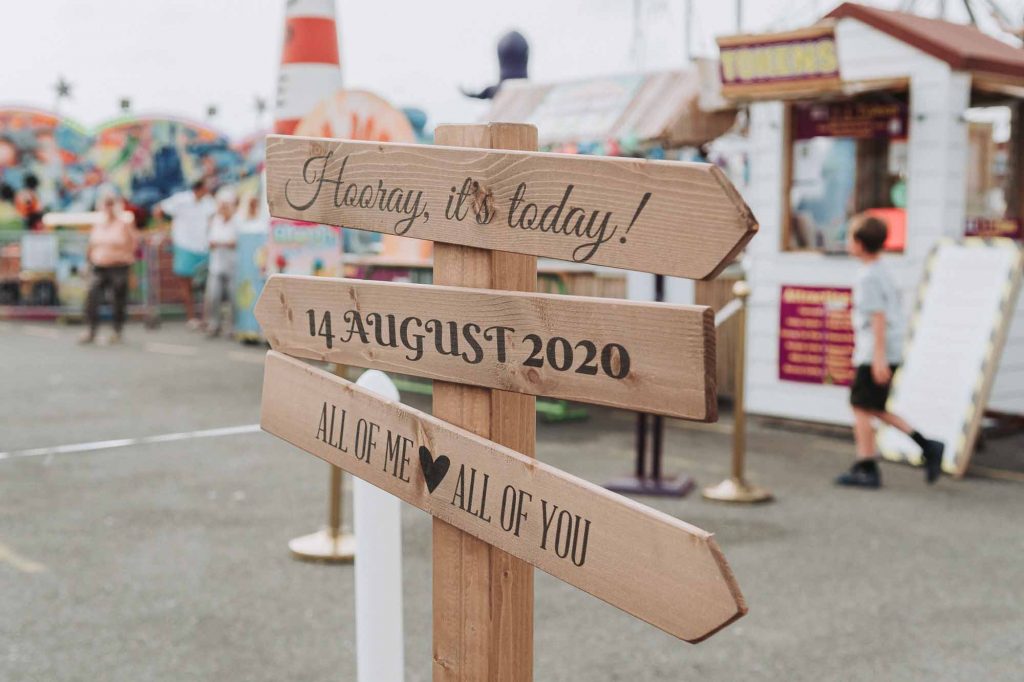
670 218
649 564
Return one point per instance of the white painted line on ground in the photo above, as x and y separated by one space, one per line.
124 442
23 564
171 349
241 356
40 331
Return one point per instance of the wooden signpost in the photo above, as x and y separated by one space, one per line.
667 217
636 356
647 563
494 204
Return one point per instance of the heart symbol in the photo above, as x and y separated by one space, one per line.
434 470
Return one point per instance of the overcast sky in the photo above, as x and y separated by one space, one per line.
180 56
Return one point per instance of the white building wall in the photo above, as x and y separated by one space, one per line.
1008 391
935 194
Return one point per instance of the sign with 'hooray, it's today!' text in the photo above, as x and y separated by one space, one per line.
653 566
642 356
671 218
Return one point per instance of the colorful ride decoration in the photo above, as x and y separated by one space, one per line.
53 149
150 158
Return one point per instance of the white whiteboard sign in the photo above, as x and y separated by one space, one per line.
957 331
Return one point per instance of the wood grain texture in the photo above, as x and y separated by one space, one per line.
582 345
483 596
693 223
649 564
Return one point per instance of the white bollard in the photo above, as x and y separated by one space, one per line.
377 519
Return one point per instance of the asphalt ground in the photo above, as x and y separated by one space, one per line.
168 560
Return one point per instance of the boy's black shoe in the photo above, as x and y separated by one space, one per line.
863 474
932 451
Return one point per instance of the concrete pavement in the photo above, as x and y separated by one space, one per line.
168 560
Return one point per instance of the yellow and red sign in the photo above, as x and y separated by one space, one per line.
779 62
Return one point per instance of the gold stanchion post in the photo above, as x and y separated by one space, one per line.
329 545
735 488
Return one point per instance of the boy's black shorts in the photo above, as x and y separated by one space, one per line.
865 393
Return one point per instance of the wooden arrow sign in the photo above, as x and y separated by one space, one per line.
649 564
641 356
666 217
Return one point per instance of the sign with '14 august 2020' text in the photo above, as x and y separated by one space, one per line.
641 356
672 218
647 563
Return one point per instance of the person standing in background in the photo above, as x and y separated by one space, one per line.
111 253
251 219
221 274
190 212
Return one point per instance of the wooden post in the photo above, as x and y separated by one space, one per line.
483 597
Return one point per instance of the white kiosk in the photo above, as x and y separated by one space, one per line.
915 119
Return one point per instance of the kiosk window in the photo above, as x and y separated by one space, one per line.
846 158
993 172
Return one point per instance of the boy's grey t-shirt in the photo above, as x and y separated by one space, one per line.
875 292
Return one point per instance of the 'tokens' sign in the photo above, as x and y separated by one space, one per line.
779 62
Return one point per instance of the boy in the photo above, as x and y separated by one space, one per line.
876 353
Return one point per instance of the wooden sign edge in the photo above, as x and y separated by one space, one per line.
656 515
745 215
753 227
709 332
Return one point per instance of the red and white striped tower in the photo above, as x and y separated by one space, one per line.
310 67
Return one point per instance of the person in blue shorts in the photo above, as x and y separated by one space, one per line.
877 339
190 212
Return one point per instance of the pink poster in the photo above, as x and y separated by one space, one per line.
815 335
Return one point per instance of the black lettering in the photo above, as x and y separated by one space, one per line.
566 362
377 322
616 370
586 367
585 251
534 360
522 515
510 514
321 431
513 204
415 212
582 557
355 326
416 348
546 521
500 337
478 352
395 454
460 489
562 553
551 221
438 331
309 181
366 197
